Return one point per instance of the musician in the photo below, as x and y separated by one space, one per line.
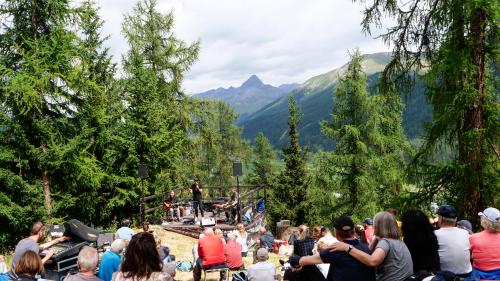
172 204
232 208
38 233
196 189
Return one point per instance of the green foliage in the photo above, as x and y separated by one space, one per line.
262 166
365 170
288 197
455 41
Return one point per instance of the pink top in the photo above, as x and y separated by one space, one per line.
232 250
484 247
369 234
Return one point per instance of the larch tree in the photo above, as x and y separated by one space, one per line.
454 41
156 114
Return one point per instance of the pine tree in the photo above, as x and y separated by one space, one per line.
156 114
262 162
288 198
352 128
454 40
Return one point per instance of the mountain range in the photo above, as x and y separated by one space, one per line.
252 95
315 99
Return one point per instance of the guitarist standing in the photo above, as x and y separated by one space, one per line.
196 189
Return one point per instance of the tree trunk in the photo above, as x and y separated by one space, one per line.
46 186
471 152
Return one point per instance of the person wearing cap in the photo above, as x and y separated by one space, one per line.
368 226
485 246
110 261
390 255
465 224
343 265
262 270
454 247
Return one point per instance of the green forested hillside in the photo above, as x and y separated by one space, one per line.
314 98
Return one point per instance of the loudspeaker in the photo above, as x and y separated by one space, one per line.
143 171
237 169
76 229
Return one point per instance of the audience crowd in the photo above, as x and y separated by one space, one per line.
382 249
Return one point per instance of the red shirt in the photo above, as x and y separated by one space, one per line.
233 254
211 250
484 247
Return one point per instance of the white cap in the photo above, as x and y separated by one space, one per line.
492 214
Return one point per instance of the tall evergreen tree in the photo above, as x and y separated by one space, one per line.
454 40
262 161
352 128
288 198
156 114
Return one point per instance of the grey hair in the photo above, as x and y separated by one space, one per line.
88 259
386 226
118 245
449 221
489 225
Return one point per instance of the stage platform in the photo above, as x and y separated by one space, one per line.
194 230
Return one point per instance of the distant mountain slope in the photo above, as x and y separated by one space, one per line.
249 97
314 97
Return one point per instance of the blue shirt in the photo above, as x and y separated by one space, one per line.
125 233
344 267
110 263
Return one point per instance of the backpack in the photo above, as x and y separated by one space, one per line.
239 276
184 266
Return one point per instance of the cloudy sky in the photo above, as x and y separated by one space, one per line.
281 41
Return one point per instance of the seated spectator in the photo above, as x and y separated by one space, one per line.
368 230
305 244
465 224
485 246
232 251
195 249
316 233
169 268
266 239
293 237
262 270
87 263
218 232
111 260
141 261
454 246
124 232
343 266
389 254
421 241
211 255
3 266
28 267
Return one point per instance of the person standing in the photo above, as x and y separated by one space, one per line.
38 233
232 209
196 189
242 238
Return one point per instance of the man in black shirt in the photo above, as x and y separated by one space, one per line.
196 189
343 266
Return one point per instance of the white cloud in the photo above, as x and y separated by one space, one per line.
282 41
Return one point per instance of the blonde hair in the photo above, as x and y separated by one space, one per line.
241 229
386 226
303 232
218 232
489 225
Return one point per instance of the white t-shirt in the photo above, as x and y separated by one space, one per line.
454 249
242 240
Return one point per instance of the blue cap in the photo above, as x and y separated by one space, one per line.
368 221
466 225
447 211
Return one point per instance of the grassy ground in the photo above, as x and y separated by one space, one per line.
181 247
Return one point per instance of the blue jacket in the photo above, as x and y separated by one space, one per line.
110 263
